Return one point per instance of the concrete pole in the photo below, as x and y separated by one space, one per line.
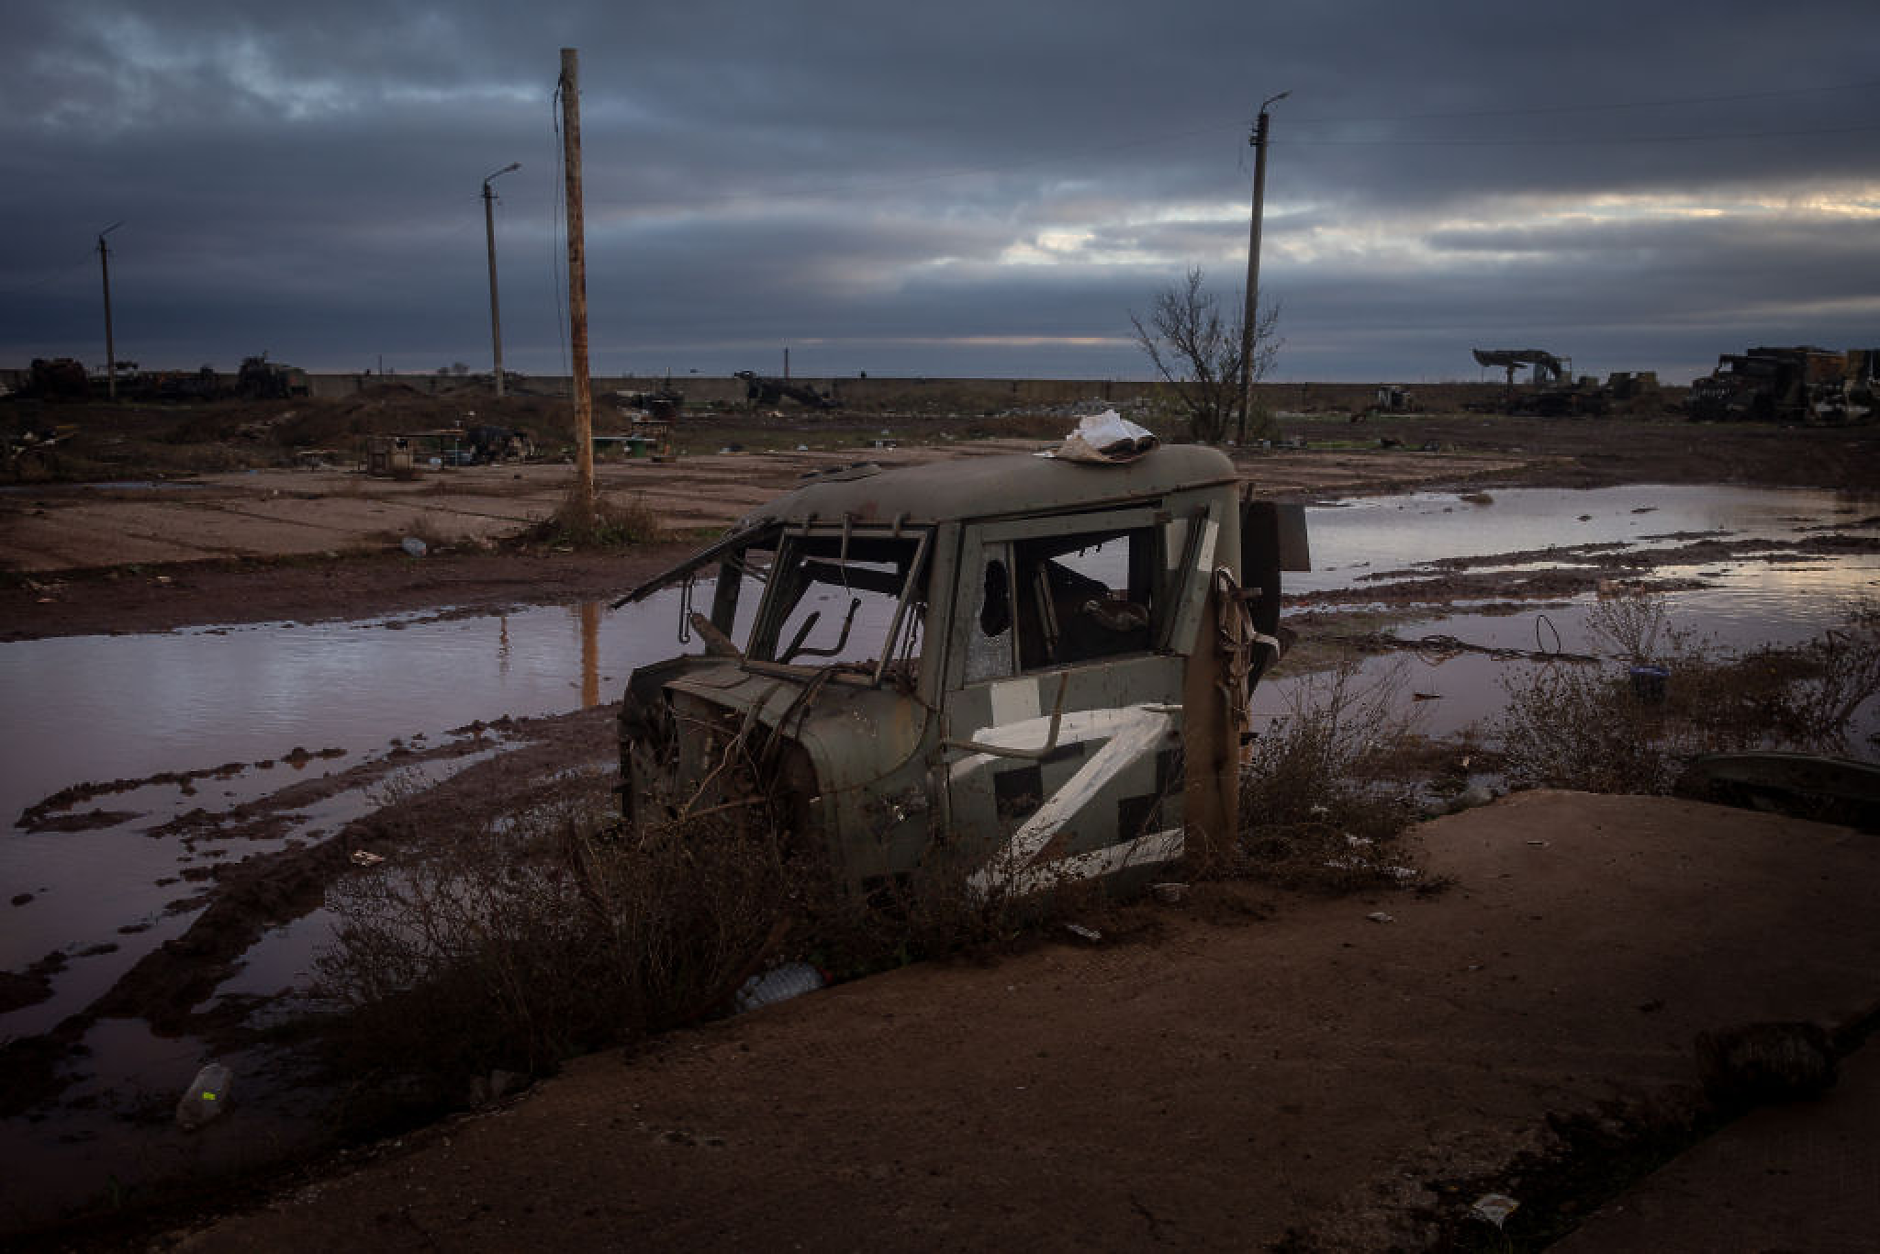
577 286
1258 140
110 345
489 234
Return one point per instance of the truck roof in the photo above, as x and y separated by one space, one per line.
1000 485
991 486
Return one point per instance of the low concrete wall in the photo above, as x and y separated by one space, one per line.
983 396
851 393
894 395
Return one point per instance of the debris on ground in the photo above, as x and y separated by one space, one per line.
1494 1207
792 979
205 1099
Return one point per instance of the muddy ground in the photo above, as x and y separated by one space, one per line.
274 544
1248 1070
1115 1069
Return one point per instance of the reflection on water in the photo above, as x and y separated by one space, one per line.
101 708
1456 691
1747 602
1373 534
108 897
590 654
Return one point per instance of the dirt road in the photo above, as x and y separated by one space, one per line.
284 513
1250 1071
279 545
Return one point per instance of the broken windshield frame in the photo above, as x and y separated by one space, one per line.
843 593
727 548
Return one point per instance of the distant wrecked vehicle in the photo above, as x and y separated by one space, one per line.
1041 664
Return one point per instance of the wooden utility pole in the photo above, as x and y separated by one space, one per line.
110 345
1258 140
582 499
489 234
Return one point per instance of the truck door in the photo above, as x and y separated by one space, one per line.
1063 702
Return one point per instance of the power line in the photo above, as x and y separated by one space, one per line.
1576 141
1601 106
56 276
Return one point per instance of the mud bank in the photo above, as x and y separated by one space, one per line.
1270 1071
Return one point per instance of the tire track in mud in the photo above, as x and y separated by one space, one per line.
246 898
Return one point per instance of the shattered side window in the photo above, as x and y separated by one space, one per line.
1084 597
989 641
834 599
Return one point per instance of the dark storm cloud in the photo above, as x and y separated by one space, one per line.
950 189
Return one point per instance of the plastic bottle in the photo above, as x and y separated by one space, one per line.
792 979
205 1099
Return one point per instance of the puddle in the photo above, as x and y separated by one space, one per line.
128 707
1452 692
114 1141
1375 534
90 887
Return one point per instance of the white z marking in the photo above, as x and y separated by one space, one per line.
1131 733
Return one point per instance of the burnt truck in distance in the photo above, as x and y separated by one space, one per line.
1037 666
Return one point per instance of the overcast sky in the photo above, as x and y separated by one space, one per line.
941 189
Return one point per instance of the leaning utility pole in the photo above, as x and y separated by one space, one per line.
1258 140
489 234
583 499
110 346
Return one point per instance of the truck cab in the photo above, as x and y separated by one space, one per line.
1035 665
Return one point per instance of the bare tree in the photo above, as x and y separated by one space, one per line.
1195 348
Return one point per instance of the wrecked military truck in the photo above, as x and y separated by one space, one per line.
1038 666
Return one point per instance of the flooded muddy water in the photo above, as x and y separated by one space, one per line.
129 758
1369 535
1747 597
112 741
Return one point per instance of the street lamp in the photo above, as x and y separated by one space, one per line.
110 345
1248 326
489 232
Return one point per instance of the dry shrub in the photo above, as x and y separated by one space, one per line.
548 934
1320 801
539 936
607 524
1585 727
422 527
